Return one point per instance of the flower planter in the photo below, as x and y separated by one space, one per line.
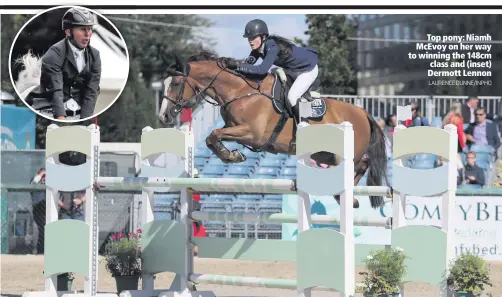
380 295
64 282
466 294
123 260
126 282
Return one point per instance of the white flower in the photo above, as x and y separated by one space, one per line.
399 249
369 257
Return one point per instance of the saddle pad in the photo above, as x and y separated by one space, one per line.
318 105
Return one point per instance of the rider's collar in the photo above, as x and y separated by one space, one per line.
74 49
261 49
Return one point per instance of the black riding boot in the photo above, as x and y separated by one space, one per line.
296 113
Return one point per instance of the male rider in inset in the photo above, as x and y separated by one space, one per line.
71 68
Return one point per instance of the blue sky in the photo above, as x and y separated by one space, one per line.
228 30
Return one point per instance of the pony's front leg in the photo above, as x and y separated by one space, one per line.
236 133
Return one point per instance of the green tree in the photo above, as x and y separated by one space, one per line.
337 69
11 24
146 37
123 121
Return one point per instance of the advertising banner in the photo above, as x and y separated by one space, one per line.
18 128
477 220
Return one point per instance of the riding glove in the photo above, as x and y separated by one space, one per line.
232 64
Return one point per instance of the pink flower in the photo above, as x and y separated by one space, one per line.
139 231
121 235
114 236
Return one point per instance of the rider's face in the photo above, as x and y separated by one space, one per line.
254 42
81 35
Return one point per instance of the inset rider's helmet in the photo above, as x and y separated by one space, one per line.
76 16
255 28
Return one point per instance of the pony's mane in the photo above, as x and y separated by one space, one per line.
203 56
207 56
210 56
30 74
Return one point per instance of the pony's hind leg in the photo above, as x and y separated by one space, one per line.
333 160
236 133
360 169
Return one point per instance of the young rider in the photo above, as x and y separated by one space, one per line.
278 51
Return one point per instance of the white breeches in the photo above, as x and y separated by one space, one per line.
301 85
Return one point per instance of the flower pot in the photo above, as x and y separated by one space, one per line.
126 282
397 294
466 294
64 282
381 295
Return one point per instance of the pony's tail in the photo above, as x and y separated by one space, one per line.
377 161
29 76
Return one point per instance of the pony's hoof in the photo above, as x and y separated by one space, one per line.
356 203
238 157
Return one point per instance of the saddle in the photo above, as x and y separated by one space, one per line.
282 83
38 102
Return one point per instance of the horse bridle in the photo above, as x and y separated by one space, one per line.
179 103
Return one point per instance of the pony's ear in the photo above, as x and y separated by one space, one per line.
166 61
184 67
173 72
173 68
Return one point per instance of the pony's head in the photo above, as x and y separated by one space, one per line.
180 90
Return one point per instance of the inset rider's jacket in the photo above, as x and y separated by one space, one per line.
60 79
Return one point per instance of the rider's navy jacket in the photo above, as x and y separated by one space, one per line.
301 59
60 78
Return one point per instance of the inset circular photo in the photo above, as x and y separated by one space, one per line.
69 64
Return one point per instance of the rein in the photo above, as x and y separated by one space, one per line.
219 62
179 105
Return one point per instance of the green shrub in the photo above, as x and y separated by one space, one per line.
469 273
384 270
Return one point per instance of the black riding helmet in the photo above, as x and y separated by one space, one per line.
254 28
78 17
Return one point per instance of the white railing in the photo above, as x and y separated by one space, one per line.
377 106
